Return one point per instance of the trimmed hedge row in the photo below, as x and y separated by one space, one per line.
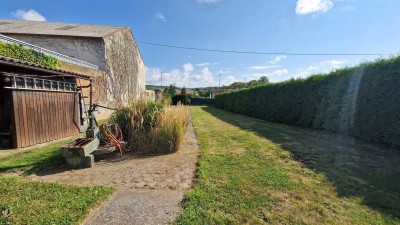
363 102
202 101
28 55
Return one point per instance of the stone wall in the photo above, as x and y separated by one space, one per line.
125 72
150 95
99 86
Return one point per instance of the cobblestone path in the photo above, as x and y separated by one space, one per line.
148 189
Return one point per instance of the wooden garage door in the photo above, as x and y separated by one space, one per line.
42 116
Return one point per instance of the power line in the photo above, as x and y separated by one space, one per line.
264 53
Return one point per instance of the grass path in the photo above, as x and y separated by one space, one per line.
40 203
254 172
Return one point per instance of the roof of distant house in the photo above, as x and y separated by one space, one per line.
57 29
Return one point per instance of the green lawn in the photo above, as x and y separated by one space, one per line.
254 172
40 203
34 159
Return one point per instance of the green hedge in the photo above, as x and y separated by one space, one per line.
363 102
183 99
21 53
202 101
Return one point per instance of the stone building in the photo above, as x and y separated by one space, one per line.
112 48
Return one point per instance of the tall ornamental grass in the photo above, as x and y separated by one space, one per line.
153 128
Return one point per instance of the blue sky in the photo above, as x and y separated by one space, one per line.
296 26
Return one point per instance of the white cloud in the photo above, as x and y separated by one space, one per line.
256 76
278 72
348 8
205 76
225 70
180 78
272 63
207 1
153 76
335 64
262 67
321 67
277 59
160 16
206 64
202 64
305 7
228 80
187 69
313 69
30 14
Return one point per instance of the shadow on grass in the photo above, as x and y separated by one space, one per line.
32 161
356 169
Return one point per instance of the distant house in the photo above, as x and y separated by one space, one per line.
190 91
111 48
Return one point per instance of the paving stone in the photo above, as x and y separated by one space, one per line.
136 174
152 185
186 177
162 184
140 185
148 179
169 180
184 185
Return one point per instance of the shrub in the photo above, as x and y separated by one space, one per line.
152 128
167 98
202 101
182 99
21 53
363 102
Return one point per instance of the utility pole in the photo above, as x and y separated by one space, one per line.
219 81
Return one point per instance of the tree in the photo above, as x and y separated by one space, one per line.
238 85
183 90
202 93
252 83
263 80
172 90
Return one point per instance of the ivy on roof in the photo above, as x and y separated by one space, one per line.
21 53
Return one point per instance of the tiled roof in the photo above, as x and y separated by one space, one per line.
56 29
